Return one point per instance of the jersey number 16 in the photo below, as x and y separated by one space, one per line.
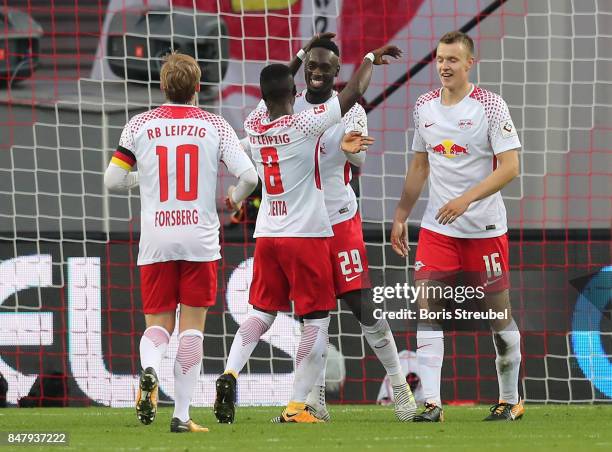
182 151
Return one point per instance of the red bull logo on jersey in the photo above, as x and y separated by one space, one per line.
449 149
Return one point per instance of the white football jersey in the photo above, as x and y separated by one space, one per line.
462 141
336 175
178 149
286 155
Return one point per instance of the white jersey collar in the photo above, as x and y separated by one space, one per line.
303 94
170 104
464 97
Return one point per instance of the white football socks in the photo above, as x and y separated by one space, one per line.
508 361
186 371
153 346
310 358
316 396
380 339
246 340
430 354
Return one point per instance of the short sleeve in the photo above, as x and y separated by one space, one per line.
316 120
231 151
503 136
356 120
124 156
246 145
418 143
255 116
127 137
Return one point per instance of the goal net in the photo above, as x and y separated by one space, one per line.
70 310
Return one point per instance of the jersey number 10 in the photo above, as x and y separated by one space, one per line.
182 151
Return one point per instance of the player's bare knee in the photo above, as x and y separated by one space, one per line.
427 299
165 320
499 302
192 318
361 305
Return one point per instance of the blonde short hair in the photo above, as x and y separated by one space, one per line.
180 77
458 36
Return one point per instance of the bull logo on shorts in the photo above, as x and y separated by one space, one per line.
449 149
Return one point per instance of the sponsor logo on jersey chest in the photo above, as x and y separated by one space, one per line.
450 149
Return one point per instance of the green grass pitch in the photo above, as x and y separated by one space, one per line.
353 428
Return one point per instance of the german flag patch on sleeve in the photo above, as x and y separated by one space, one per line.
124 158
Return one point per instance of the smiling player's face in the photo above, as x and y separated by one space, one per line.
454 62
321 68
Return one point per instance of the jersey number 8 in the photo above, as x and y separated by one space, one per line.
272 174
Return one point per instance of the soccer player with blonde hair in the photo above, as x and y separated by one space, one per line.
466 145
178 148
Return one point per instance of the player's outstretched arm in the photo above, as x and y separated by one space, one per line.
358 84
354 142
246 184
298 59
239 165
413 185
507 169
356 120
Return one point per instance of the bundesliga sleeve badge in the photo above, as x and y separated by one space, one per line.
507 128
319 109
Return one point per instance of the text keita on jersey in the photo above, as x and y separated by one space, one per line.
176 130
277 208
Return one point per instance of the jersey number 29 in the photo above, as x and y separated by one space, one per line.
182 152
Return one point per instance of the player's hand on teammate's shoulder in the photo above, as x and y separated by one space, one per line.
354 142
381 52
399 238
452 210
